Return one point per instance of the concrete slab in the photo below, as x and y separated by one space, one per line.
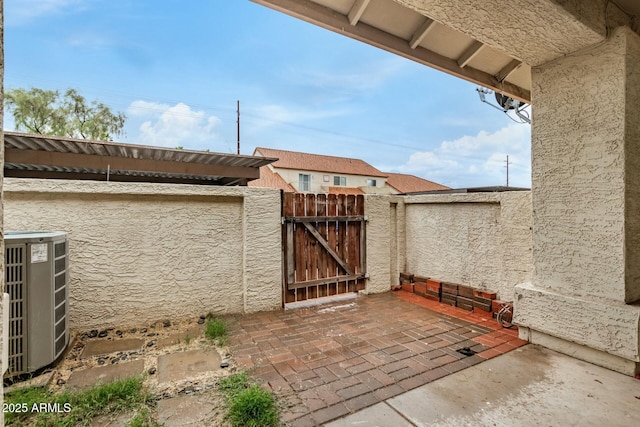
379 415
190 333
187 411
185 364
527 384
40 381
113 420
95 348
105 374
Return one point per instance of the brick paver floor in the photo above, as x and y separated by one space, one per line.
331 360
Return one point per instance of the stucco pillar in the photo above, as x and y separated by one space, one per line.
262 251
586 198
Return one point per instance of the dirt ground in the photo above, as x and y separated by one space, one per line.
158 339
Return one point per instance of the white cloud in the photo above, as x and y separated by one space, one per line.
172 126
477 160
21 11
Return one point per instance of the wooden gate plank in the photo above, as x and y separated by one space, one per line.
321 210
310 244
325 245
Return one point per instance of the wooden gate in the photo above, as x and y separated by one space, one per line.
324 238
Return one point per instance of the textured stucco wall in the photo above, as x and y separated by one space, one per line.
262 257
532 31
578 173
585 196
480 240
632 168
379 242
143 252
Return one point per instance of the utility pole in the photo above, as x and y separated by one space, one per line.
238 111
508 163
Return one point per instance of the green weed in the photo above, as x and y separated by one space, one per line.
71 408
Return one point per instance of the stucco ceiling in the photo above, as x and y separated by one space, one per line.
403 30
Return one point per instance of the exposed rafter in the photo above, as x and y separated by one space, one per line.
324 17
507 70
470 53
357 10
421 33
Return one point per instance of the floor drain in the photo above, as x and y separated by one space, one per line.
466 351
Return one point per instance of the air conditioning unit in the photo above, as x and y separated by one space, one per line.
36 279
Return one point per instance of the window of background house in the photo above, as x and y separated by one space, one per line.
340 180
304 182
371 182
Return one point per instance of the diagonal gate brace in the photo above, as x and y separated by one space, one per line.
325 245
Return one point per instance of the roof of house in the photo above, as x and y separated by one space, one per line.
45 156
410 183
319 163
271 179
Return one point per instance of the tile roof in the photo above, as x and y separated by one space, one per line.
410 183
271 179
319 163
345 190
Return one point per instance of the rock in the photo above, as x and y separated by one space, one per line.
224 365
151 334
151 343
119 333
123 357
93 333
166 323
197 388
189 389
61 382
101 361
115 360
103 334
208 387
200 321
202 317
143 330
152 371
133 330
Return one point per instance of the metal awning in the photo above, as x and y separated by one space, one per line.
44 156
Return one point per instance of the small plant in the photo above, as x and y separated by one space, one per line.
249 405
77 407
254 407
187 339
232 385
143 418
215 329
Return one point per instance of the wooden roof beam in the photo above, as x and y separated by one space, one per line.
421 33
357 10
470 53
508 70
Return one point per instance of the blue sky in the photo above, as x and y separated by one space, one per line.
177 67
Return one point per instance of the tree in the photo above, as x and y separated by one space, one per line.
45 112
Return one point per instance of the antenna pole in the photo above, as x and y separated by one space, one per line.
238 112
508 163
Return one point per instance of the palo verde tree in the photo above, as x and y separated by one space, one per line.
46 112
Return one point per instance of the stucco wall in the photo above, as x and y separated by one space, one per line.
143 252
480 240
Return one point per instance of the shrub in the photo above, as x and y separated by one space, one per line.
253 407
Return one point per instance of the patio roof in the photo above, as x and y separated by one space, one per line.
45 156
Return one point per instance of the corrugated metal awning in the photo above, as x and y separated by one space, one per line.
44 156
